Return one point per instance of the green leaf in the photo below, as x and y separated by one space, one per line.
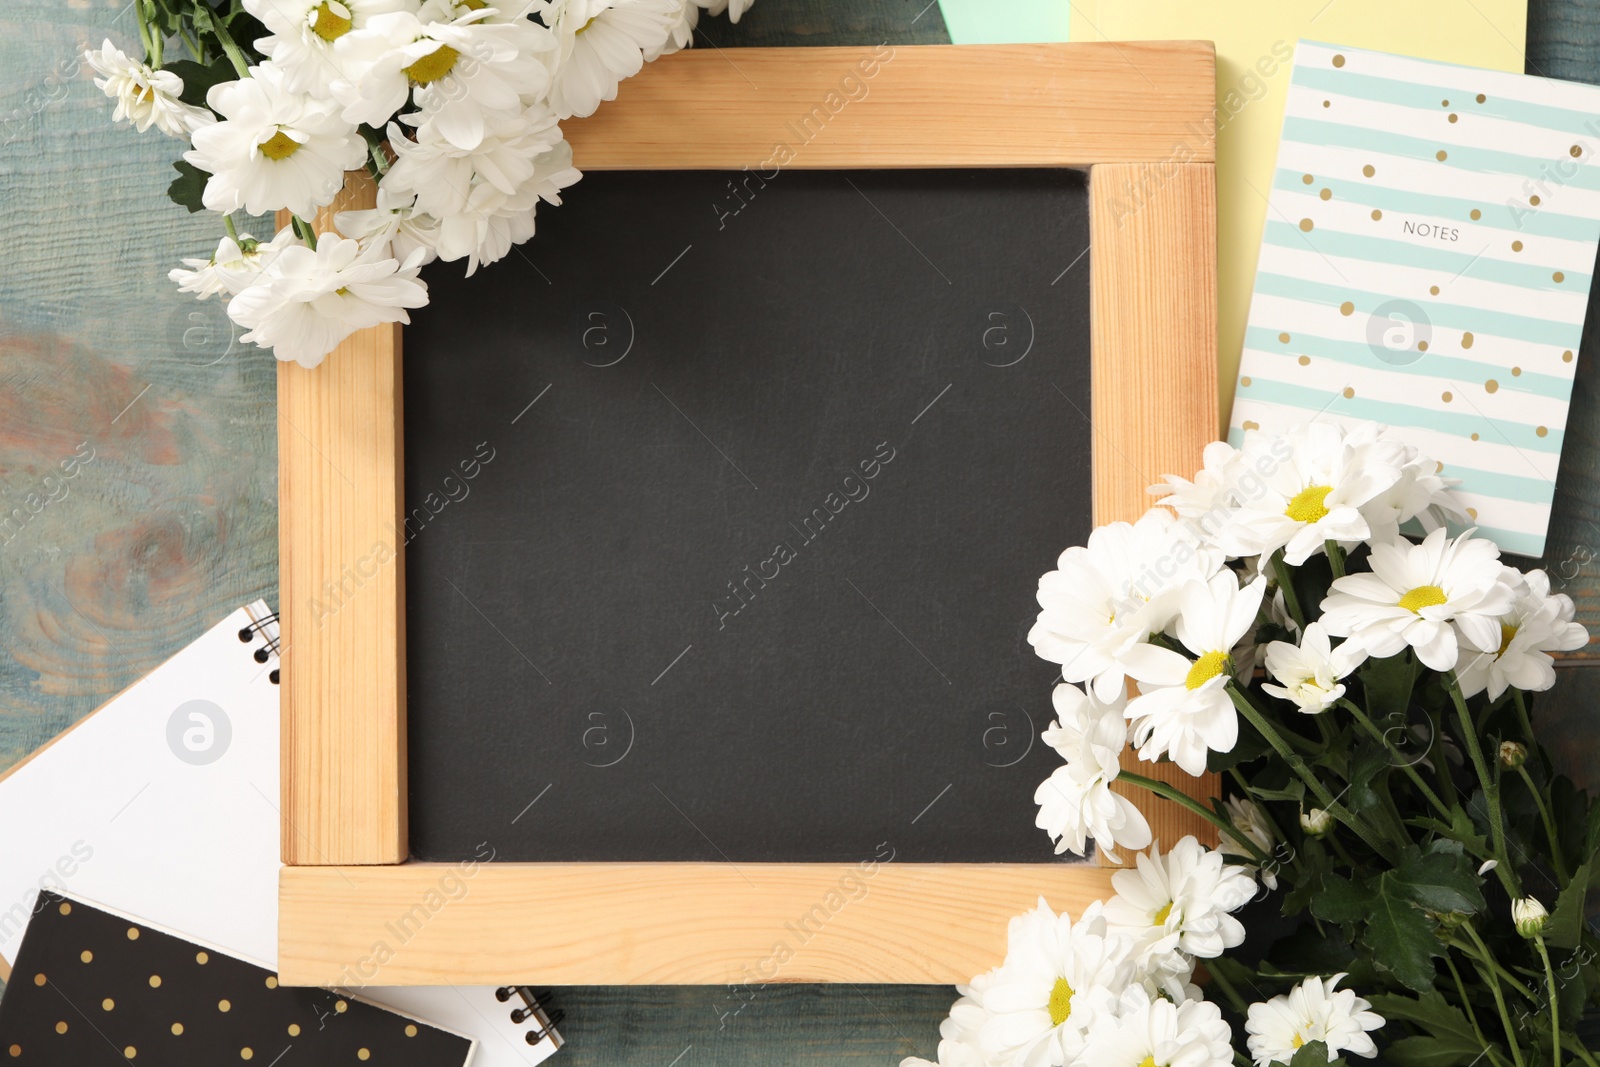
1341 901
1366 765
188 188
1432 1052
1459 829
1441 879
1430 1012
1314 1054
198 79
1400 937
1387 684
1566 921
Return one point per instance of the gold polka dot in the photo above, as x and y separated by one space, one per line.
1245 382
1307 179
1369 170
363 1054
1306 225
1376 214
1438 468
133 933
272 981
1474 437
223 1005
1326 194
1472 512
86 956
340 1006
1347 308
1349 392
1338 61
61 1027
65 909
1516 372
1305 361
1482 98
1566 357
1447 397
411 1030
1422 346
177 1029
1452 118
1433 289
1251 425
1441 155
1491 386
1444 103
130 1052
1284 338
1558 277
1466 340
246 1052
40 979
1475 214
201 958
16 1050
1327 103
1576 150
1542 431
1533 201
1516 246
294 1029
107 1004
155 981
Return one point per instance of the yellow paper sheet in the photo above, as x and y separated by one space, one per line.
1255 41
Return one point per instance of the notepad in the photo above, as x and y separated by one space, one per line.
163 805
95 987
1426 263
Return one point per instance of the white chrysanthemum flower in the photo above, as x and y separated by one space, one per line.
1058 979
394 227
491 222
1076 802
443 176
1179 902
1309 672
601 43
302 32
274 149
1537 624
1247 815
1183 710
679 36
1413 595
1420 493
1313 496
465 65
958 1033
1207 502
735 8
1312 1011
1158 1033
232 267
307 301
1111 595
145 97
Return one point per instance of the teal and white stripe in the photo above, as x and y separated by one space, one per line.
1426 263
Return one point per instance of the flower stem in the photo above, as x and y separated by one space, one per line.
1281 572
1500 1006
227 221
1466 1001
1404 764
1177 796
229 48
1335 557
1490 783
305 231
1555 1002
1549 825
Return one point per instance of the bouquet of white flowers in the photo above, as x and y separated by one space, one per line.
453 106
1364 695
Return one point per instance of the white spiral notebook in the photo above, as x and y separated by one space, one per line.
163 805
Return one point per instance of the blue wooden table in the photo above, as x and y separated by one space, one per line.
173 523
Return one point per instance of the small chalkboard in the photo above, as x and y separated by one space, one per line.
685 569
726 501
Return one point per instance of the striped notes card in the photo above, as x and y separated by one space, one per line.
1426 263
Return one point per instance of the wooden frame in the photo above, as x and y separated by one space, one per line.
1140 118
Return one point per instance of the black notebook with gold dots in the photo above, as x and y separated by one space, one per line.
90 987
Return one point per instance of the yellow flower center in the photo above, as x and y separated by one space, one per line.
1423 596
1205 668
1162 915
433 66
1060 1002
1308 504
586 25
279 146
332 21
1298 1041
1148 1061
474 5
147 94
1507 632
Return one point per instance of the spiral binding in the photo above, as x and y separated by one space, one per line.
533 1008
269 647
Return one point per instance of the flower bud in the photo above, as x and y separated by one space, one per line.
1316 822
1513 754
1529 916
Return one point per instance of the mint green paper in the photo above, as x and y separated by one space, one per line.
1005 21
